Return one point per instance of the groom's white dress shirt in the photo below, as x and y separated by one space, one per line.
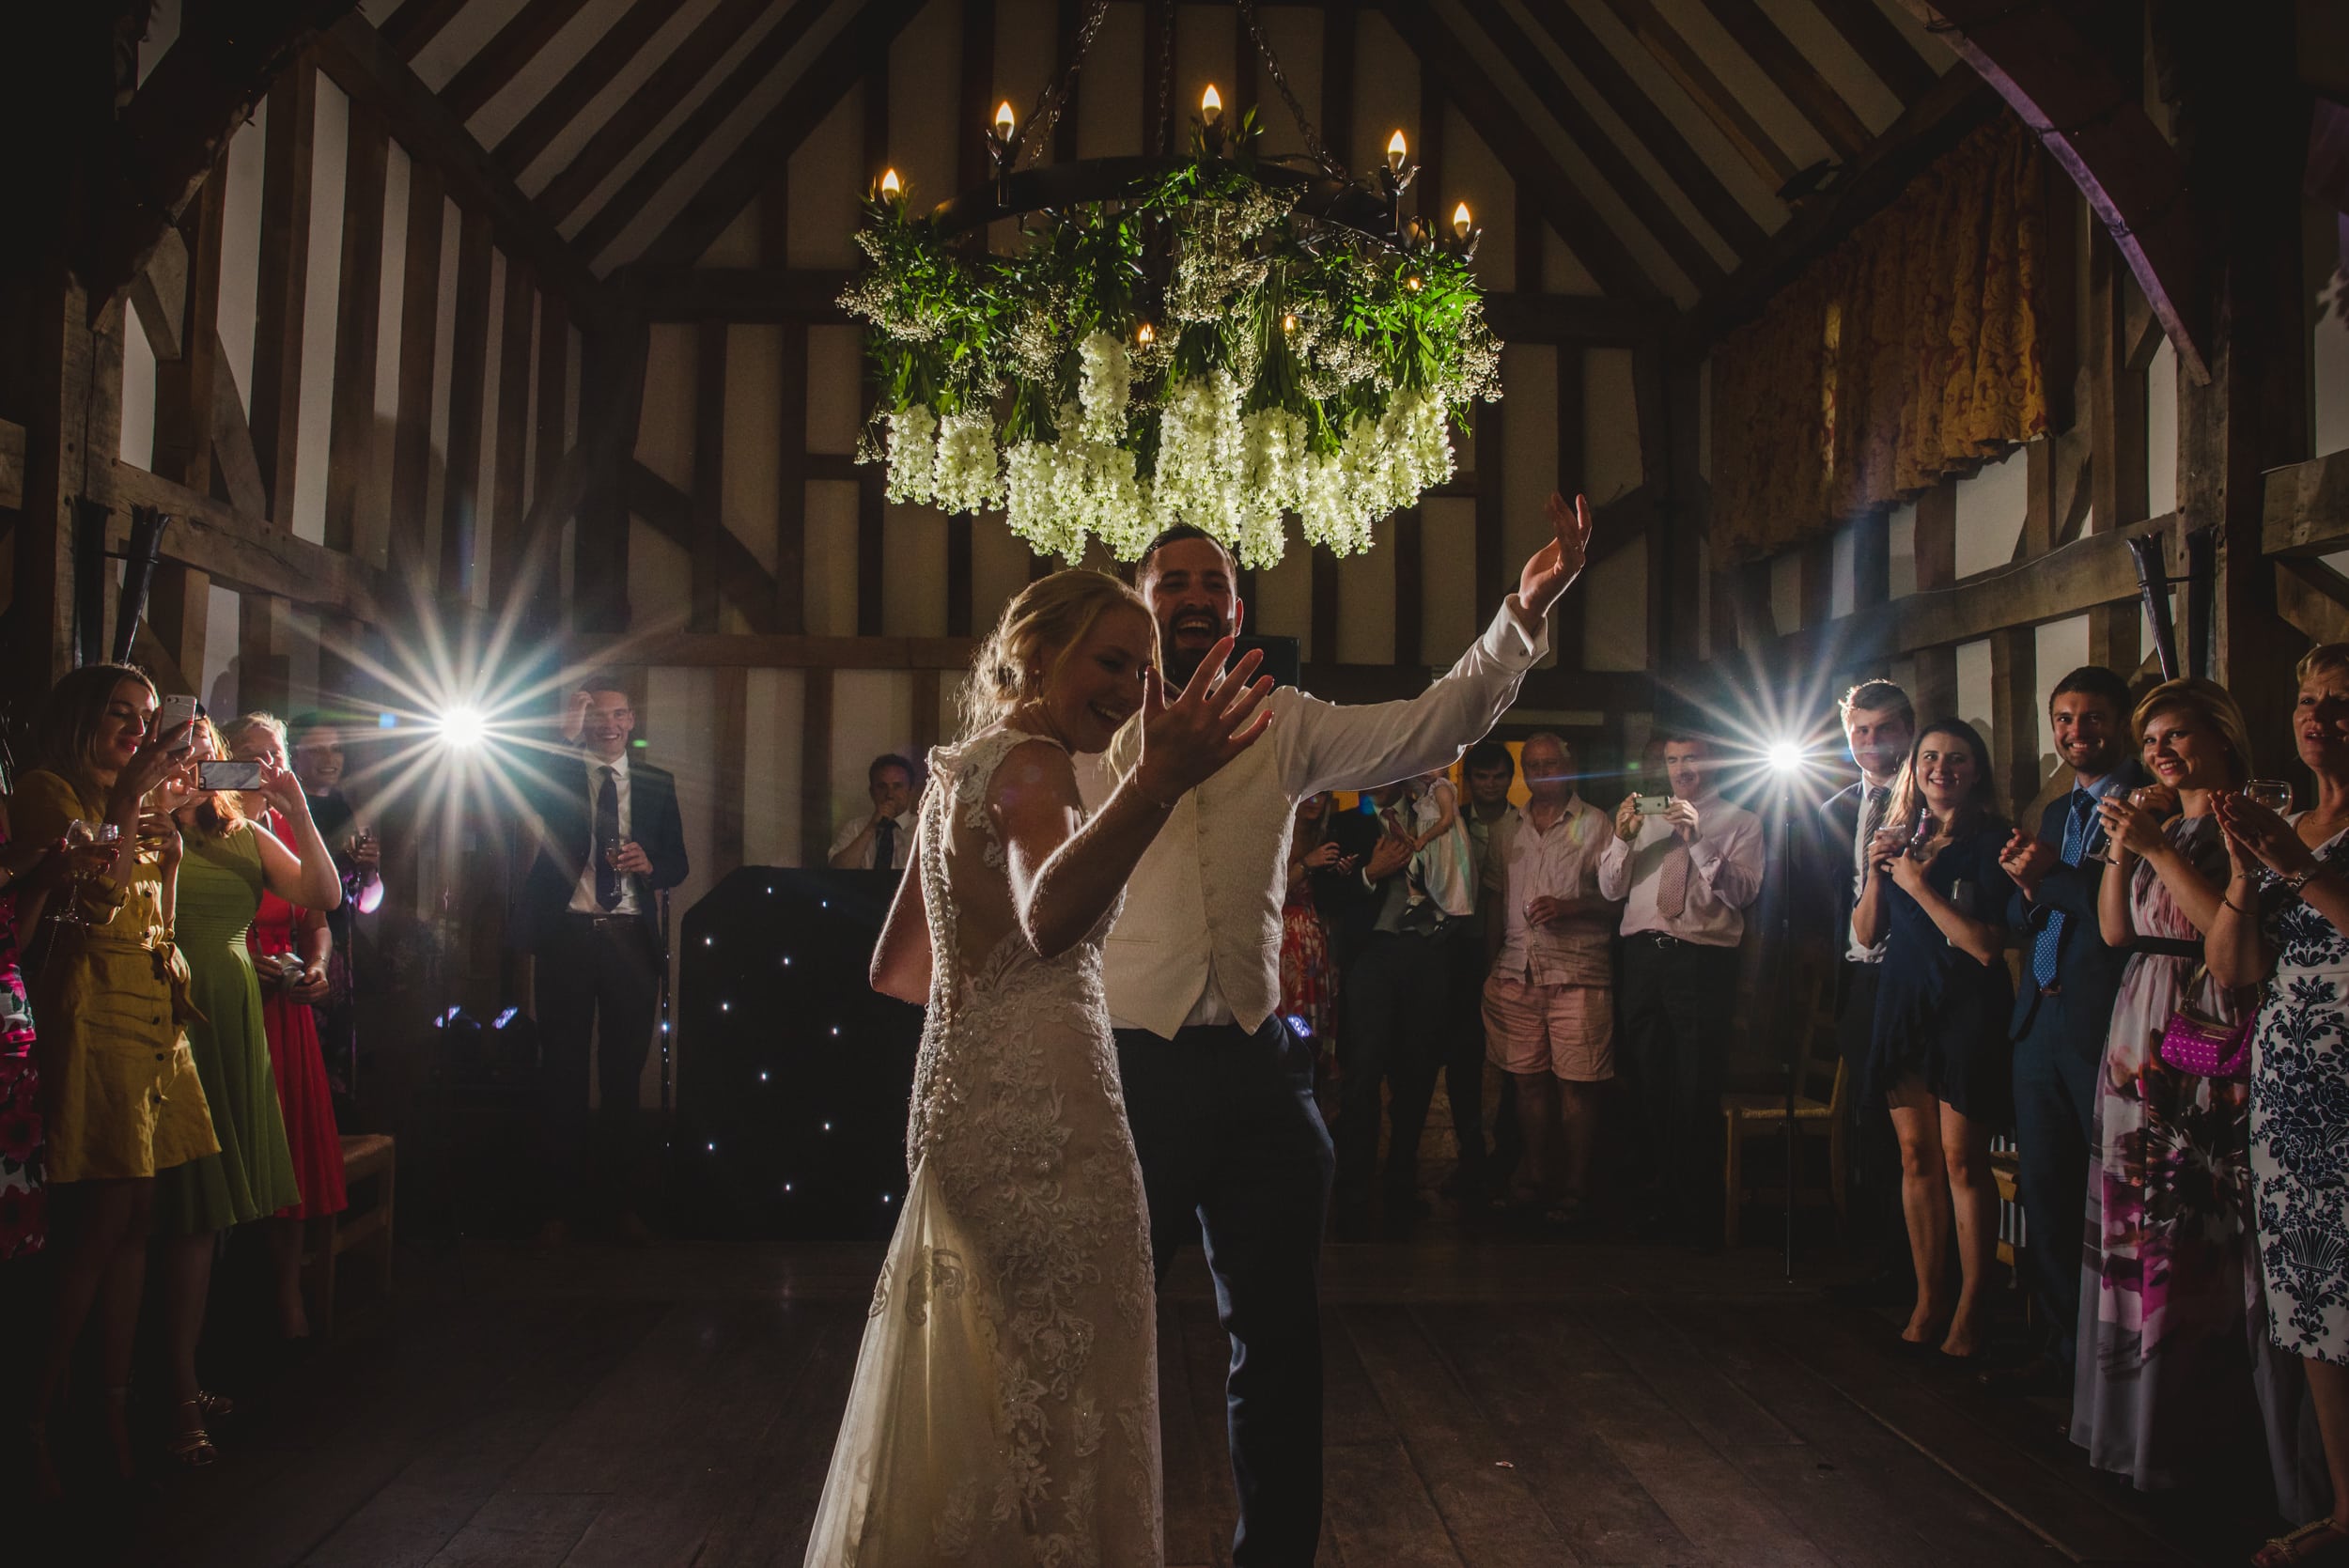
1199 941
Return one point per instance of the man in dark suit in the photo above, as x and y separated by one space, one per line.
1879 726
2063 1006
609 839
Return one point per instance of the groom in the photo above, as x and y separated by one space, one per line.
1219 1092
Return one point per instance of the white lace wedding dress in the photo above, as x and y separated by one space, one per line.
1004 1407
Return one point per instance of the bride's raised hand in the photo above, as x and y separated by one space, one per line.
1215 717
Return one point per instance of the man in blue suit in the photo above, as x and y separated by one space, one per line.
2064 1005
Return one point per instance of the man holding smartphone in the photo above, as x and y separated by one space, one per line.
609 839
1686 867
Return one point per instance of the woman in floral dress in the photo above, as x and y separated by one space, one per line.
1309 981
2171 1297
2285 920
25 870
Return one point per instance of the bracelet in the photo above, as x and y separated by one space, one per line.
2298 880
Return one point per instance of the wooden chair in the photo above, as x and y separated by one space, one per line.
1819 1112
369 1168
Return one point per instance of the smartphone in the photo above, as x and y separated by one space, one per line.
1650 805
227 775
175 711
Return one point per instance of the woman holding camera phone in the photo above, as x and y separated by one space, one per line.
1939 1059
228 864
290 948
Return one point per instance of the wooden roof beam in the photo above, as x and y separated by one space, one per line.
2062 86
1791 70
1562 204
1880 46
487 74
1719 104
621 42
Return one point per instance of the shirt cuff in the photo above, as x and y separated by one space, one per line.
1516 637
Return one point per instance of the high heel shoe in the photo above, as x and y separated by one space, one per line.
190 1447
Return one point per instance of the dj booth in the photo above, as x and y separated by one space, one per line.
793 1073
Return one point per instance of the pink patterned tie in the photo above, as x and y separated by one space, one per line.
1672 883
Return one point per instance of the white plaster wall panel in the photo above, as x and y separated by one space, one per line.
544 71
1627 55
137 445
1973 687
474 25
832 558
872 715
1755 89
1386 92
1366 600
1990 507
2328 355
828 180
749 490
301 658
835 379
216 683
664 429
913 569
1474 175
1203 52
1822 43
1610 424
1786 591
998 569
2060 647
1025 34
1284 599
684 704
777 700
241 248
1614 616
371 527
925 92
1529 375
1449 616
444 372
1902 672
1294 34
486 522
162 31
2161 431
724 139
1843 581
330 143
1109 102
1563 272
659 578
737 244
569 142
1900 530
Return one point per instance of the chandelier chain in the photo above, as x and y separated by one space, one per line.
1054 98
1313 147
1166 81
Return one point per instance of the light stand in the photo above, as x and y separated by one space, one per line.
667 1081
1786 763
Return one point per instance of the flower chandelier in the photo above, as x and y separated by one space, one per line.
1219 339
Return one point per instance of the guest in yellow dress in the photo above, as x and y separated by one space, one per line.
119 1087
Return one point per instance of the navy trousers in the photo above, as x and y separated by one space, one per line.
2055 1126
1234 1155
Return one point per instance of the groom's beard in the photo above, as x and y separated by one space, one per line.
1179 663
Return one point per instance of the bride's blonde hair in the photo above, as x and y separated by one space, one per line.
1036 635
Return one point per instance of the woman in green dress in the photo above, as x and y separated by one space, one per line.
226 862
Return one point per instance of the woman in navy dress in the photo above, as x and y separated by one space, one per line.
1939 1059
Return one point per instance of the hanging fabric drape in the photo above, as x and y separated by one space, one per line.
1908 353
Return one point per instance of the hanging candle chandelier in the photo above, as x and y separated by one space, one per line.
1219 337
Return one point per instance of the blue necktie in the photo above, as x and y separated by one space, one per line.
2075 832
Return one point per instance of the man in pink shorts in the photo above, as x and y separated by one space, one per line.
1550 1016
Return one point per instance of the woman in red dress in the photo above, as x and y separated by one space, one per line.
1309 981
290 948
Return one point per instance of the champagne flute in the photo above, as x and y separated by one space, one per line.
79 837
2140 798
2274 794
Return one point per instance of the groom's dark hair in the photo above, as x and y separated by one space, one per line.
1175 534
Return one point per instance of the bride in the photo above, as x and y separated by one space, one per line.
1004 1407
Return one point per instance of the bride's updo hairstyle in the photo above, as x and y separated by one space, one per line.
1037 631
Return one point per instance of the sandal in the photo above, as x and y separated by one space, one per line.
191 1446
213 1406
2319 1541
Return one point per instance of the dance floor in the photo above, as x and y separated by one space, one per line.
1491 1405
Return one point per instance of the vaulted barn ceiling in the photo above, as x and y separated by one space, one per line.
1654 136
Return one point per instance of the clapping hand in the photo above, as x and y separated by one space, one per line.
2254 830
1217 715
1552 568
1886 848
2026 859
2136 828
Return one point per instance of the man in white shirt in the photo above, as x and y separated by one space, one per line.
1686 874
1548 1003
1219 1092
882 838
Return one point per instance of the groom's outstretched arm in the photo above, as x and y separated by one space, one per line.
1325 746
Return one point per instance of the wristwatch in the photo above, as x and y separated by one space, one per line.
2298 880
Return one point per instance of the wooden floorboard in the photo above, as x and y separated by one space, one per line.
1488 1405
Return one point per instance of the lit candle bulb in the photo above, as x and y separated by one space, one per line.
1288 323
1210 104
1462 221
1005 120
1145 333
1398 150
890 187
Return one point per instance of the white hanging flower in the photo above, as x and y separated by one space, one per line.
912 454
1201 453
1272 482
970 475
1104 379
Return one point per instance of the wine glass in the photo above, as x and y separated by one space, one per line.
2275 794
2140 798
85 844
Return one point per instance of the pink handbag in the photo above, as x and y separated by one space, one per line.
2204 1046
